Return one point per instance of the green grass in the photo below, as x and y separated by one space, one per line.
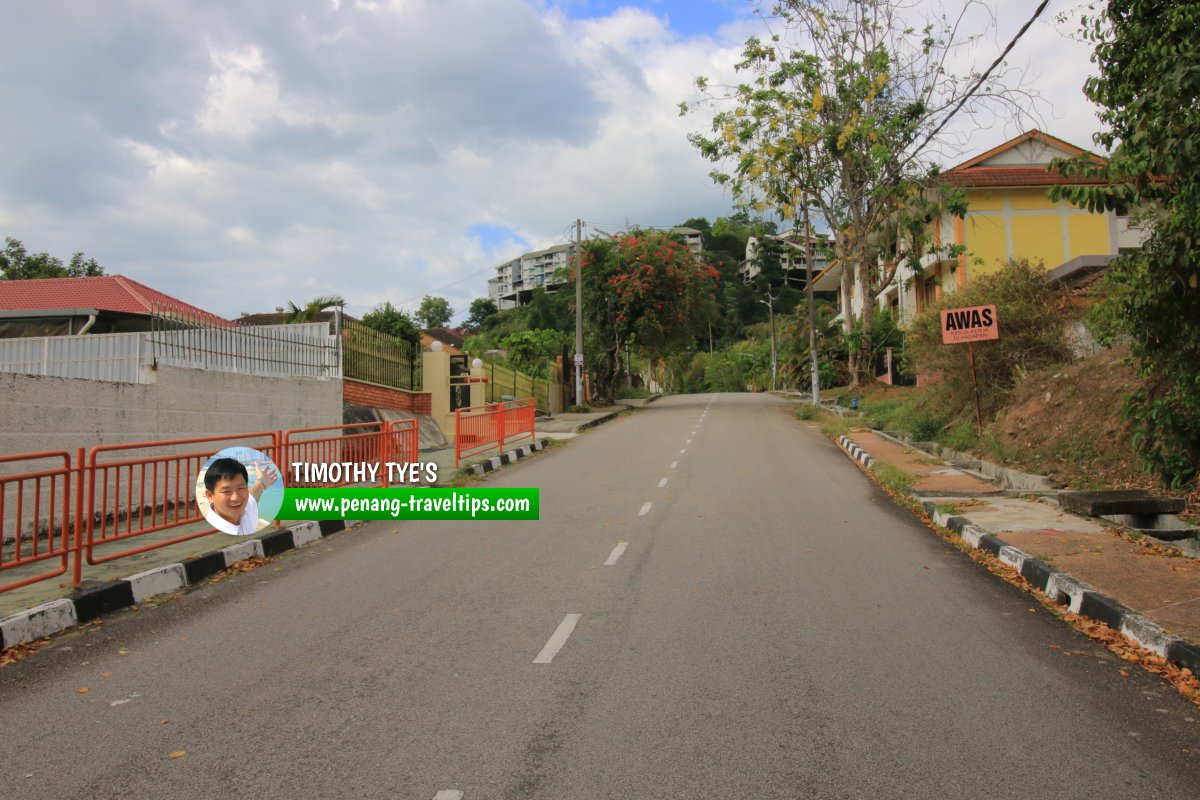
806 411
835 425
894 478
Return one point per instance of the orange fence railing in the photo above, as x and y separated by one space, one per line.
36 524
480 428
62 511
365 443
146 487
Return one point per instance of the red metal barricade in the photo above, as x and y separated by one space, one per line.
138 494
52 506
364 443
518 421
480 428
36 523
403 443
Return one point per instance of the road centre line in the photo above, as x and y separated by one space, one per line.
448 794
615 554
557 639
662 483
645 509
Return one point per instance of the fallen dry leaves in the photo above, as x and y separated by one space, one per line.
1182 678
238 567
11 655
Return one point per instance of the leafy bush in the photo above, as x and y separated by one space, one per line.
1032 318
633 393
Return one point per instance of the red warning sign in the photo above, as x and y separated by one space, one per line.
975 324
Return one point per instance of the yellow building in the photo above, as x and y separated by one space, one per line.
1011 216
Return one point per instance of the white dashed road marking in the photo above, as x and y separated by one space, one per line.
558 639
448 794
615 554
645 509
674 464
662 483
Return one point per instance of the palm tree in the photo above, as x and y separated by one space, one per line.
296 314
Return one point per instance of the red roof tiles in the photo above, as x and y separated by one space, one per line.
105 293
1010 176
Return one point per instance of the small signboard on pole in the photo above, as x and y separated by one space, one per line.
970 325
975 324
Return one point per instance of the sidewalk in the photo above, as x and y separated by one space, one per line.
1147 591
130 580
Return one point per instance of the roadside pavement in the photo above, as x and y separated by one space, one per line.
1147 591
48 606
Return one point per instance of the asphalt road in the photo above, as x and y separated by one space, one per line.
773 628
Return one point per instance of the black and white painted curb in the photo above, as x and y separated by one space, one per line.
510 457
58 615
856 452
1076 595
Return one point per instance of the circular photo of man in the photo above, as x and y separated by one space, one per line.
239 491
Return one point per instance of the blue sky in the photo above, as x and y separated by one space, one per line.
686 17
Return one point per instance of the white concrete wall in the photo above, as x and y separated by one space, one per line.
40 413
44 413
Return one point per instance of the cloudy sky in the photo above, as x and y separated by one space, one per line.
239 155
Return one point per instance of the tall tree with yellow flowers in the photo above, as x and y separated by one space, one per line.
843 112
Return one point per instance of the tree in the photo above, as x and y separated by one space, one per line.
531 351
434 312
483 309
388 319
309 312
643 287
840 113
1147 54
17 264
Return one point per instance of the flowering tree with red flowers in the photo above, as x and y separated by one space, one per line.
644 288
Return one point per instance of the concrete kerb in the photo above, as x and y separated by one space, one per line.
1064 589
510 457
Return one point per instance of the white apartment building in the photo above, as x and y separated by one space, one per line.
550 268
794 257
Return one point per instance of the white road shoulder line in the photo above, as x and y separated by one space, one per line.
558 639
645 509
615 554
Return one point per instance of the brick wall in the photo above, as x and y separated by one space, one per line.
374 396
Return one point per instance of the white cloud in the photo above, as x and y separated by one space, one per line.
242 155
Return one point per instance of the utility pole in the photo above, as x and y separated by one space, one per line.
812 314
774 355
578 312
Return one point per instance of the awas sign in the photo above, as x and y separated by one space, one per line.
975 324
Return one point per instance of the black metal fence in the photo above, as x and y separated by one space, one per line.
375 357
305 351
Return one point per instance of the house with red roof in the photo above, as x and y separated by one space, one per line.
73 306
1010 216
